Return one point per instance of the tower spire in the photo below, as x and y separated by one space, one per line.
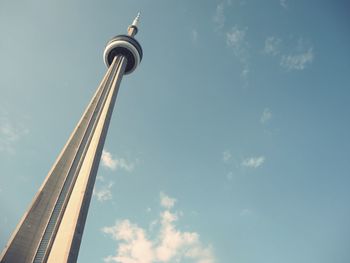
133 28
136 20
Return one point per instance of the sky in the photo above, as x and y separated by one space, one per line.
229 143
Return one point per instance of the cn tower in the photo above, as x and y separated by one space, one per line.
51 229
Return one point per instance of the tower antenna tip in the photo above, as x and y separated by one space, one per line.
136 20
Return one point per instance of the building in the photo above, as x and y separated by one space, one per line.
51 229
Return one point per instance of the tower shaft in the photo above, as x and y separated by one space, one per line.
51 229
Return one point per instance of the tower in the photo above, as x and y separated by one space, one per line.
51 229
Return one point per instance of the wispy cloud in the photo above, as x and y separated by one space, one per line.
194 36
114 163
219 16
100 178
229 176
297 61
169 245
10 133
283 3
226 156
266 116
296 58
246 212
236 40
104 192
253 162
272 46
235 37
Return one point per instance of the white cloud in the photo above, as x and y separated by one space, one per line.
272 46
297 61
114 164
166 201
253 162
283 3
103 193
10 134
134 247
108 161
169 245
266 116
219 16
226 156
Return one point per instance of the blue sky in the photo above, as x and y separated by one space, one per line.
229 143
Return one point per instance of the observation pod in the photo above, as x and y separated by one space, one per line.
126 46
